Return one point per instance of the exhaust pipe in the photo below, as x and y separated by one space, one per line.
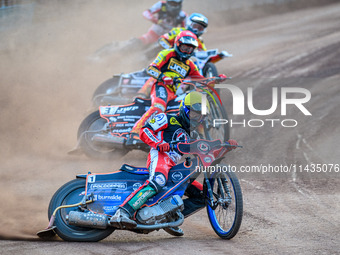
88 220
112 142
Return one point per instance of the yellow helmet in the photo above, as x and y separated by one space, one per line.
191 109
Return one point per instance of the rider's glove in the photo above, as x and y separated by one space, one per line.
233 143
163 147
154 20
167 80
177 80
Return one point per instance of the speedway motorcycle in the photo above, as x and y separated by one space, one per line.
81 209
121 88
105 132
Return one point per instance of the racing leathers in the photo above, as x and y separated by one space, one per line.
160 130
166 64
163 21
167 40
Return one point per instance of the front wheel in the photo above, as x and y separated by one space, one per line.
225 214
210 70
72 193
217 122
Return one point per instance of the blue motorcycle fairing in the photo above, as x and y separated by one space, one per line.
134 170
109 190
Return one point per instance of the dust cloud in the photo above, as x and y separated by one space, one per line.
47 80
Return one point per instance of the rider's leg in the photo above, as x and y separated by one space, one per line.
145 91
160 96
159 165
192 204
152 35
195 200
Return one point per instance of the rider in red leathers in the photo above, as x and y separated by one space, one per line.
196 23
165 15
168 65
158 133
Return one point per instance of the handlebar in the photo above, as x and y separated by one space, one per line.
197 82
229 145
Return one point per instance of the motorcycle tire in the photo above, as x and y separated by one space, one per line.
217 111
72 193
106 88
226 218
91 125
210 70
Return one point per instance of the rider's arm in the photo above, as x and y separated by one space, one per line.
184 15
148 132
154 69
201 45
194 72
167 40
149 14
164 42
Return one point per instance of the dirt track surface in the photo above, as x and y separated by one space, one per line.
46 85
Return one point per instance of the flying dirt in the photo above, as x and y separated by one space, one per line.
289 175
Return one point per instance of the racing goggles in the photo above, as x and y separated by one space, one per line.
174 3
194 113
197 27
186 48
196 117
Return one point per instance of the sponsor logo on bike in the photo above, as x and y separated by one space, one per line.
136 186
127 130
108 110
107 197
177 176
127 109
110 208
112 185
139 81
203 146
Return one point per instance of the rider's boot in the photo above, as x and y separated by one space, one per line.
122 218
175 231
195 200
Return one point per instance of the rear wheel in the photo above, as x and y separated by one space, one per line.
106 88
90 126
225 215
72 193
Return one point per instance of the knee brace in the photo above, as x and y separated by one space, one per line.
157 182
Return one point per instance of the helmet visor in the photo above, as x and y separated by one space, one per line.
197 27
195 117
174 3
186 48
